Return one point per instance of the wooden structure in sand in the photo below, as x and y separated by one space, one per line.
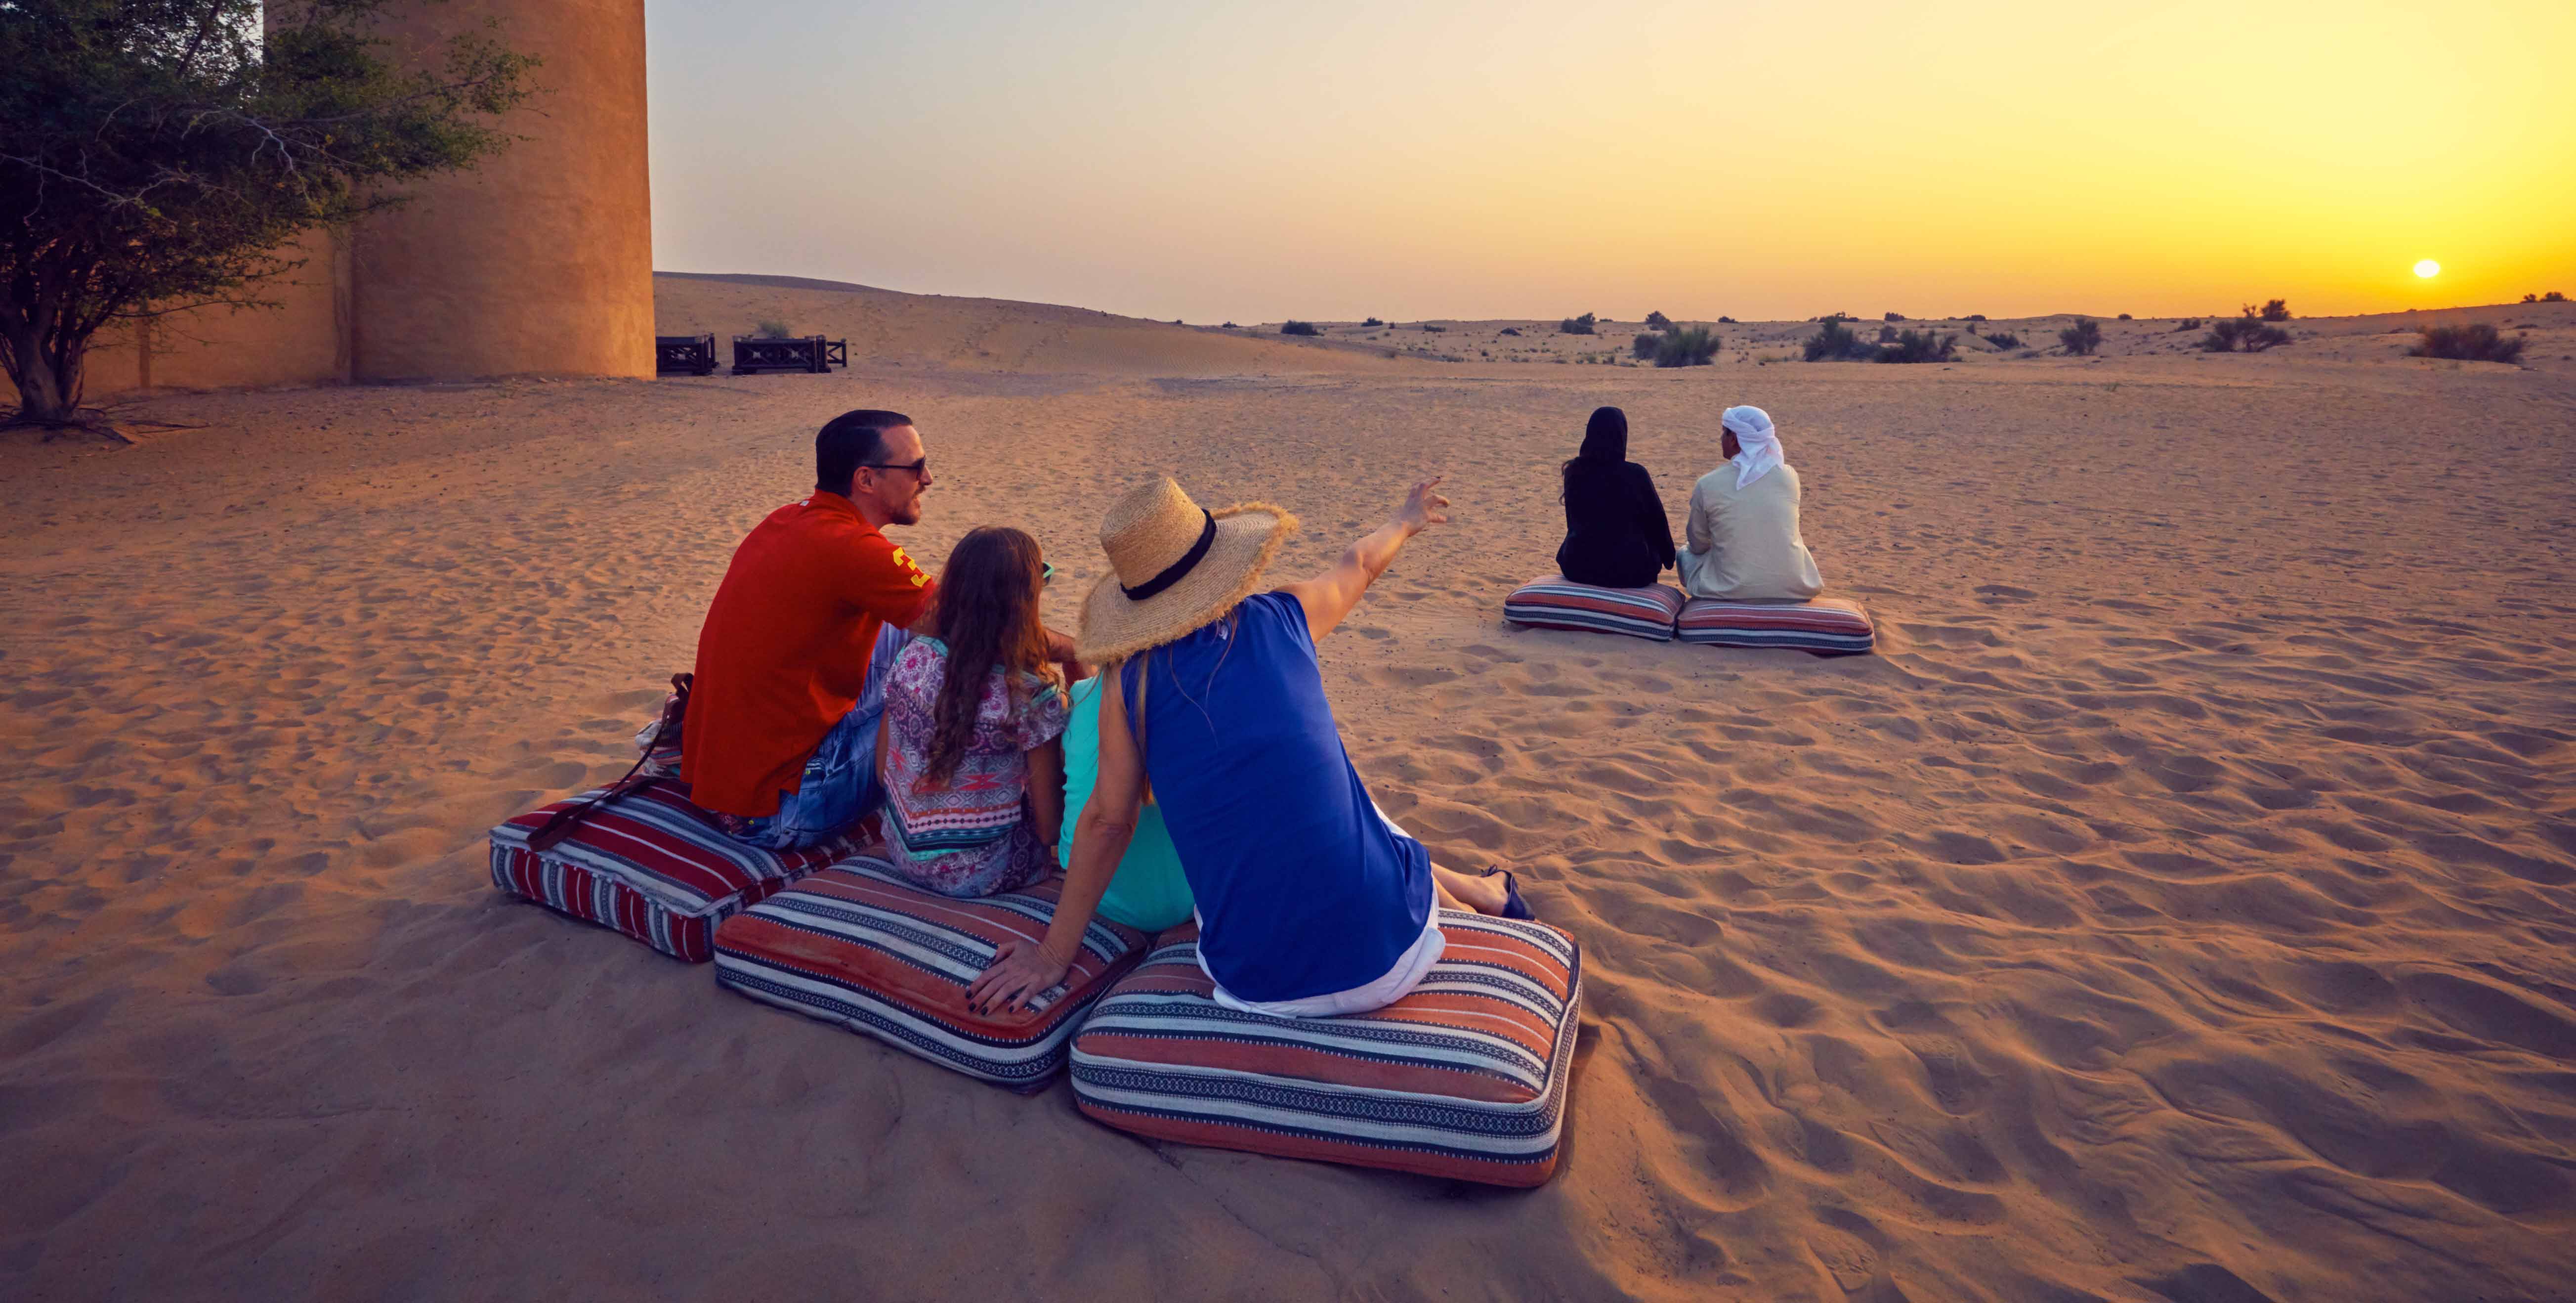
537 262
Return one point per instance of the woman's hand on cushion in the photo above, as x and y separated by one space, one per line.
1020 973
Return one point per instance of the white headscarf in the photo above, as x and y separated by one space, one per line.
1760 443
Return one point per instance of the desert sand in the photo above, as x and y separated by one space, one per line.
2179 906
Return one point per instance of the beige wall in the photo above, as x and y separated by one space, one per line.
303 341
540 260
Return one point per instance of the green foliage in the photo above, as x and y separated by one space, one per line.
773 330
2478 341
1835 342
2081 338
1658 321
1918 346
156 157
1644 345
2245 334
1581 325
1695 346
1298 328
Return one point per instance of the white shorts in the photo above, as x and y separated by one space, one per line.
1409 970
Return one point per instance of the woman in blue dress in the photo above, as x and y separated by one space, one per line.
1310 902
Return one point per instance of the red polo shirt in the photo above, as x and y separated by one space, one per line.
784 653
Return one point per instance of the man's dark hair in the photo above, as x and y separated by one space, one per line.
849 441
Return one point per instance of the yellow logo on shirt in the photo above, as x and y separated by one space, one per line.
918 578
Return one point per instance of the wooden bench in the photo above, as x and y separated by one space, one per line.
754 354
693 355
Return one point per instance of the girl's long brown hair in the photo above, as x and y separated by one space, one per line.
988 616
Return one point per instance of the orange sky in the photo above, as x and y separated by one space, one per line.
1209 160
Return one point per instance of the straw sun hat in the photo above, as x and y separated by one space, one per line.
1174 567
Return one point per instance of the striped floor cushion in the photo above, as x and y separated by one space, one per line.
1827 626
860 948
652 866
1557 602
1465 1078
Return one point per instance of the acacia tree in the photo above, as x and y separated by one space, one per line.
158 156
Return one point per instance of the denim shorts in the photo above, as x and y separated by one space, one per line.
840 785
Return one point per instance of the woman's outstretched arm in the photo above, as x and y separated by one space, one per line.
1329 597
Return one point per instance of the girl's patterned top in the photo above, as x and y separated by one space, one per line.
975 836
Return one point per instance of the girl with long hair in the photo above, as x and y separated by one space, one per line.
972 752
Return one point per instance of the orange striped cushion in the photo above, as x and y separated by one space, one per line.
1465 1078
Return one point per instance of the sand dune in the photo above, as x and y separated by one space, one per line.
897 329
2178 908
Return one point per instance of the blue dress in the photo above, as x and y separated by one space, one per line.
1303 890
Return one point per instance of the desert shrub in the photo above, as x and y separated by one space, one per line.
773 330
1371 324
1227 326
2081 338
2004 339
1513 331
2245 334
1974 316
2476 341
1835 342
1298 328
1895 316
2273 310
2124 316
2553 297
1658 321
1581 325
1644 345
2531 298
1918 346
1886 334
2187 323
1429 329
1726 321
1692 347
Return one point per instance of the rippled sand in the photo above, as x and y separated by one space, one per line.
2178 907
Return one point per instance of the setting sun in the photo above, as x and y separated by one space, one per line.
2428 269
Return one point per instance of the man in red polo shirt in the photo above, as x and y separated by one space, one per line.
781 734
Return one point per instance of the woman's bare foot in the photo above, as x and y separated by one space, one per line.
1483 895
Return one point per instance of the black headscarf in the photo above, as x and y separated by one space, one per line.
1605 446
1605 437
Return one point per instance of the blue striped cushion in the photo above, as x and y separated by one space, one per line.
1557 602
860 948
1465 1078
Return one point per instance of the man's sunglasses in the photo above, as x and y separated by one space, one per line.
916 467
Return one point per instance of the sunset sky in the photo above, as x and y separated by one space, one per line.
1208 160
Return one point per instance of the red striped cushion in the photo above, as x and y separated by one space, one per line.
1465 1078
860 948
652 866
1556 602
1827 626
